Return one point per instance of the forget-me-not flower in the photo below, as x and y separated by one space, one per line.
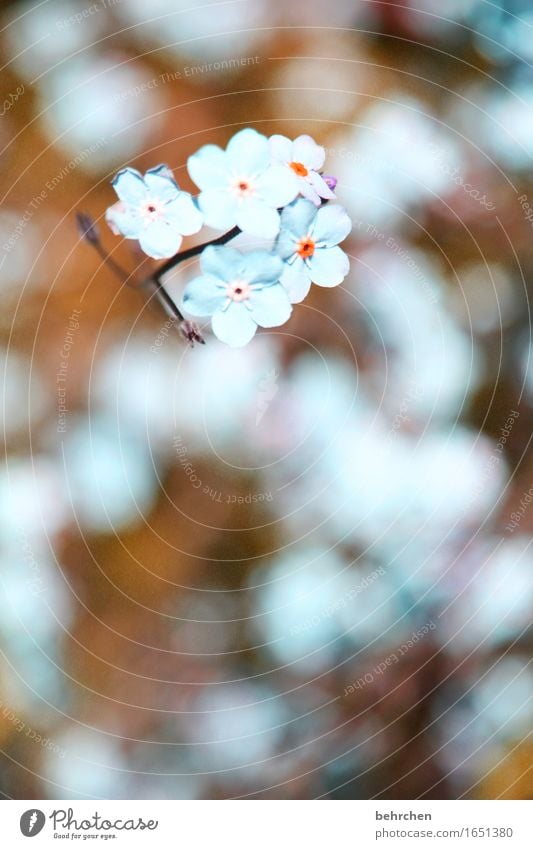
240 185
302 157
240 291
308 243
154 210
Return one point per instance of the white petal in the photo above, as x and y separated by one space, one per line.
130 186
208 167
248 152
234 326
204 295
219 208
308 192
297 283
270 306
280 149
308 152
332 224
328 266
160 240
278 186
257 219
184 214
298 217
124 219
320 186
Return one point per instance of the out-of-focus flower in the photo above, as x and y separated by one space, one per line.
236 727
38 38
109 473
311 607
425 364
388 164
153 210
240 292
19 240
206 32
32 498
502 698
89 105
495 605
24 393
88 769
240 185
308 242
500 31
505 125
304 157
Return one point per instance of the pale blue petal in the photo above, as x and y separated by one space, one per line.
219 208
161 171
257 218
261 267
270 306
208 167
161 184
328 266
124 219
130 186
223 262
298 217
248 153
160 240
204 295
234 326
278 186
286 244
184 214
280 149
332 225
296 282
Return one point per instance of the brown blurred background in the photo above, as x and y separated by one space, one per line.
301 569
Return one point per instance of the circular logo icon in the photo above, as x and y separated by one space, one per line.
32 822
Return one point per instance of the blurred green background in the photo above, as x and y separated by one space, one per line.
300 569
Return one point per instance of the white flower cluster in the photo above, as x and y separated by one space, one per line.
267 188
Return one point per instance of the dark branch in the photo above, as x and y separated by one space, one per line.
192 252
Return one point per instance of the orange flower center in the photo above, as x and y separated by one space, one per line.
299 169
306 248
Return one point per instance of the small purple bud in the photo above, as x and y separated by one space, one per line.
191 333
87 228
331 182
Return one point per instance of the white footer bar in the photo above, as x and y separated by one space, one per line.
267 824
